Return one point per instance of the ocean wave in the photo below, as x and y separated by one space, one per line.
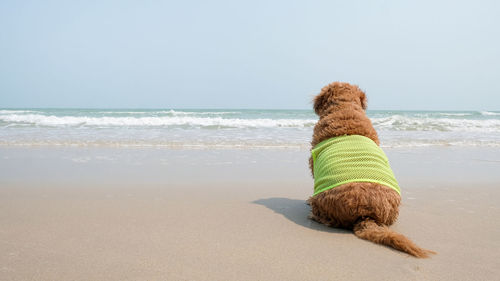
195 113
456 114
489 113
405 123
186 121
170 112
165 121
14 111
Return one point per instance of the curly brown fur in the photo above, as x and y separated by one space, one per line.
366 208
364 199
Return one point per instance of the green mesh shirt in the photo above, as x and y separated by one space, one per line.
347 159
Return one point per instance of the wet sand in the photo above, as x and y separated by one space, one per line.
153 214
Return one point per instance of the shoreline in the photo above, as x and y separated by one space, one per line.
428 165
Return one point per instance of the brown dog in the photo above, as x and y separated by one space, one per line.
365 207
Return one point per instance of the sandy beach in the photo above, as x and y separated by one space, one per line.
83 213
170 140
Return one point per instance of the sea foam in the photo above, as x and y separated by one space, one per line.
406 123
234 128
194 122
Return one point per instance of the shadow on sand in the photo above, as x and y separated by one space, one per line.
296 211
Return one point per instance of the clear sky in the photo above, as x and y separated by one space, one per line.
420 55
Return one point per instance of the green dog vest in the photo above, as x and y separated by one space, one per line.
347 159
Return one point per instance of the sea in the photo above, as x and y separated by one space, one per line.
233 128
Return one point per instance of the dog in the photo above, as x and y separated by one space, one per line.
354 185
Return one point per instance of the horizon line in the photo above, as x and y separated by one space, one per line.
224 108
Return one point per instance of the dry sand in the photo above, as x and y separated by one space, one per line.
231 215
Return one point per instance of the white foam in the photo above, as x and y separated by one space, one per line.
391 123
217 122
456 114
170 112
489 113
11 111
405 123
207 129
195 113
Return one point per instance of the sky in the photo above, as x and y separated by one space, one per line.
406 55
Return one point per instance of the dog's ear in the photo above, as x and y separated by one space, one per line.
319 103
362 98
324 99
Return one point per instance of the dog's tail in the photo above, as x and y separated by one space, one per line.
368 229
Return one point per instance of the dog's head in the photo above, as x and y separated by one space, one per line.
338 93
